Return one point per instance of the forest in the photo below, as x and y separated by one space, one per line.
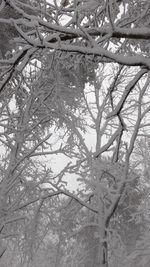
74 133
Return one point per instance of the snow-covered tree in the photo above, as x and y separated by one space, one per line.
67 67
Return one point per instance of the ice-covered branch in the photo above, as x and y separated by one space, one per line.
126 93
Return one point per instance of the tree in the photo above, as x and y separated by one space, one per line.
45 89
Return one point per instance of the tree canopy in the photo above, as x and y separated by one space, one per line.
74 105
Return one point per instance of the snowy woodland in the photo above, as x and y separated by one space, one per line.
74 133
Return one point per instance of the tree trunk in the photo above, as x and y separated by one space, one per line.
103 252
